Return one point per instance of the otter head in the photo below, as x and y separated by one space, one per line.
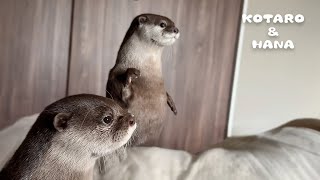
156 29
90 124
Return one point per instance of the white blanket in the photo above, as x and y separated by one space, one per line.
285 154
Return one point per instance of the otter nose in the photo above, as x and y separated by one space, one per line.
176 30
131 120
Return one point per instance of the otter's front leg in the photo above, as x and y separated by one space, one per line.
171 104
127 91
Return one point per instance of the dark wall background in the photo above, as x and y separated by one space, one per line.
34 50
50 49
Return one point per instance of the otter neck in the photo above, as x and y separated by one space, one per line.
59 156
140 54
50 161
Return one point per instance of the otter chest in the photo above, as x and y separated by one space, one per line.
149 96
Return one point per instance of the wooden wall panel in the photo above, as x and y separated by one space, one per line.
198 69
34 45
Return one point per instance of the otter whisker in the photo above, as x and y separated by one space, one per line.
109 94
87 115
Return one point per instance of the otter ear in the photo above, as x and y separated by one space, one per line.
60 121
142 20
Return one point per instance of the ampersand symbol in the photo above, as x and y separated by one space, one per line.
272 32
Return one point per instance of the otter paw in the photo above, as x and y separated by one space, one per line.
133 73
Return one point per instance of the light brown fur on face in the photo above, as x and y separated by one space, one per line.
68 137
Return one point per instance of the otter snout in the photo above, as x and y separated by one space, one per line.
172 32
128 120
131 120
173 29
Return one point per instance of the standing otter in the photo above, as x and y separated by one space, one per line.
136 80
68 137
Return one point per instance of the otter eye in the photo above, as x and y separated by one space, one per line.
163 25
107 119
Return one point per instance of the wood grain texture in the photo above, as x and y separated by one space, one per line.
34 36
198 68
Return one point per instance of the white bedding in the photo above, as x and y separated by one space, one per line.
285 154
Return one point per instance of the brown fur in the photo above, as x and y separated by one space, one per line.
145 96
136 82
68 137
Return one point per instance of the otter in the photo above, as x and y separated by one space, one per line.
67 138
135 82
